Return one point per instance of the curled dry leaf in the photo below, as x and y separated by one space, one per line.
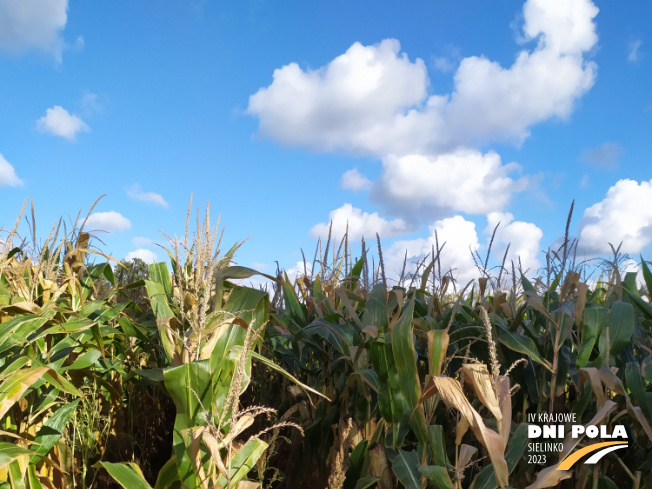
451 393
465 456
483 385
549 477
380 467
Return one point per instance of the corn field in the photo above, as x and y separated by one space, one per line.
179 375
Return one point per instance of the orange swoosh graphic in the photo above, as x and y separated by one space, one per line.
571 459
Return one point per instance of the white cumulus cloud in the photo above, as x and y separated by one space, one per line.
565 26
523 238
344 104
624 215
60 122
462 181
459 239
148 256
136 192
359 223
109 222
33 24
8 174
374 99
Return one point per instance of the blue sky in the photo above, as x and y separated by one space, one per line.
398 118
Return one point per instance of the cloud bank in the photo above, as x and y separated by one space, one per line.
33 24
374 100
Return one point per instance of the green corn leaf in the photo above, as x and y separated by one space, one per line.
127 474
159 273
438 340
10 452
375 311
53 428
404 357
85 360
292 304
16 476
366 482
620 326
32 478
636 386
438 445
158 299
244 461
406 467
438 475
606 483
356 463
521 344
594 320
168 475
391 401
191 388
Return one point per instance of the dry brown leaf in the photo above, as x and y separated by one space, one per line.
20 307
213 446
505 401
549 477
637 412
591 374
248 485
479 377
582 288
451 393
483 285
380 468
461 429
465 456
371 331
27 378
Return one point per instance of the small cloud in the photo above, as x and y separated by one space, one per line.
584 182
354 180
60 122
108 222
148 256
604 156
79 44
633 50
259 266
8 175
140 241
90 103
136 193
449 61
444 64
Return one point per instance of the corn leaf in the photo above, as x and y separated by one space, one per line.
406 467
244 461
127 474
438 475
